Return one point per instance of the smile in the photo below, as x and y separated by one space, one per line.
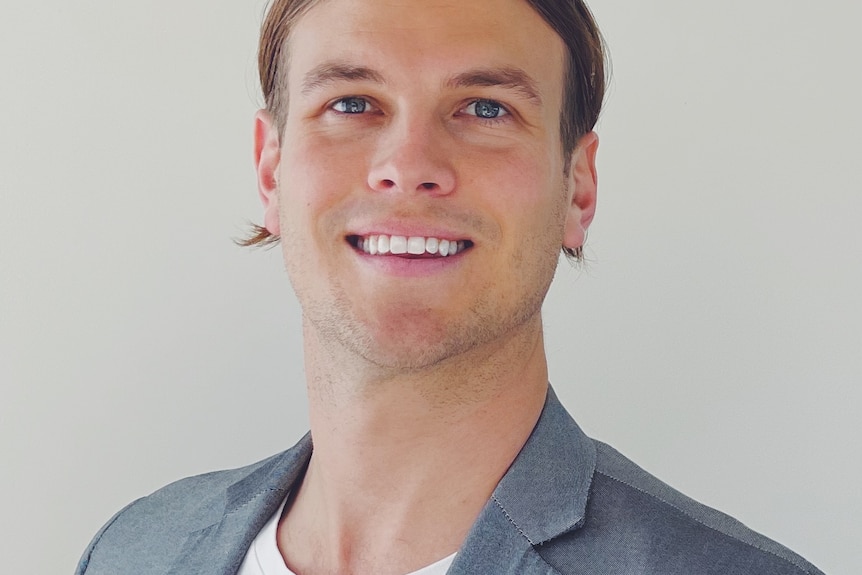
415 246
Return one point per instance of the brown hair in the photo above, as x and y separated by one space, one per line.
584 84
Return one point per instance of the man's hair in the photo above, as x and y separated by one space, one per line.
583 91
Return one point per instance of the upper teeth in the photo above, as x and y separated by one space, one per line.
414 245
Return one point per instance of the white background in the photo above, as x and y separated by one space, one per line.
716 337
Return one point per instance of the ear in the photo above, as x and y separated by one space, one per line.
267 156
583 182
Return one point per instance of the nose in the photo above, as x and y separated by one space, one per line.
413 156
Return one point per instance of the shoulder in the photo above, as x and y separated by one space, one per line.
149 534
189 503
650 527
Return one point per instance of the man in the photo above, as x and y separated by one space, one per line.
422 163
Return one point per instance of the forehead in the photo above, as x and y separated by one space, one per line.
418 40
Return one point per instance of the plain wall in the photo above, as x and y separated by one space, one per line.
715 337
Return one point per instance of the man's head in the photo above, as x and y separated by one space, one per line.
411 161
584 75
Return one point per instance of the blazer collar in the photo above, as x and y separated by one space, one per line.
219 548
545 491
542 495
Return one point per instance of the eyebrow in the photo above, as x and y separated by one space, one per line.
507 77
330 72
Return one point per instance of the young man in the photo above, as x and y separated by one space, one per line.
422 164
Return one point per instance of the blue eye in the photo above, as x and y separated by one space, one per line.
486 109
351 105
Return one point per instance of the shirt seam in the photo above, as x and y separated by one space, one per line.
696 520
524 535
512 521
249 501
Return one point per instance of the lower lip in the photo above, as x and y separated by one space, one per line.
411 267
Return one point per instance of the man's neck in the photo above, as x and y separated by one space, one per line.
404 463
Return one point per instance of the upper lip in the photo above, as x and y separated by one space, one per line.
408 230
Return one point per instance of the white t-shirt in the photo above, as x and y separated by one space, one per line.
264 558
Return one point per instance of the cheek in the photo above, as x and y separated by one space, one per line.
315 177
524 189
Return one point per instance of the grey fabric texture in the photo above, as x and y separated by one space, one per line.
568 505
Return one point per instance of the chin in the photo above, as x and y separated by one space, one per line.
416 350
426 345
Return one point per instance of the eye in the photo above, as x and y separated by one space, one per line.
486 109
351 105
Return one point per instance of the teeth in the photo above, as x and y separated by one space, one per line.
398 245
413 245
383 245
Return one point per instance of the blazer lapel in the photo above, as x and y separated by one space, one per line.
542 495
219 548
494 546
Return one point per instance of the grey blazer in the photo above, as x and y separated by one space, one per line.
568 505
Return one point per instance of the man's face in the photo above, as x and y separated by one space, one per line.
413 124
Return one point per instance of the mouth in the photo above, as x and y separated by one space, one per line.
408 247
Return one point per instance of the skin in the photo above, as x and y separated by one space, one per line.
407 358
